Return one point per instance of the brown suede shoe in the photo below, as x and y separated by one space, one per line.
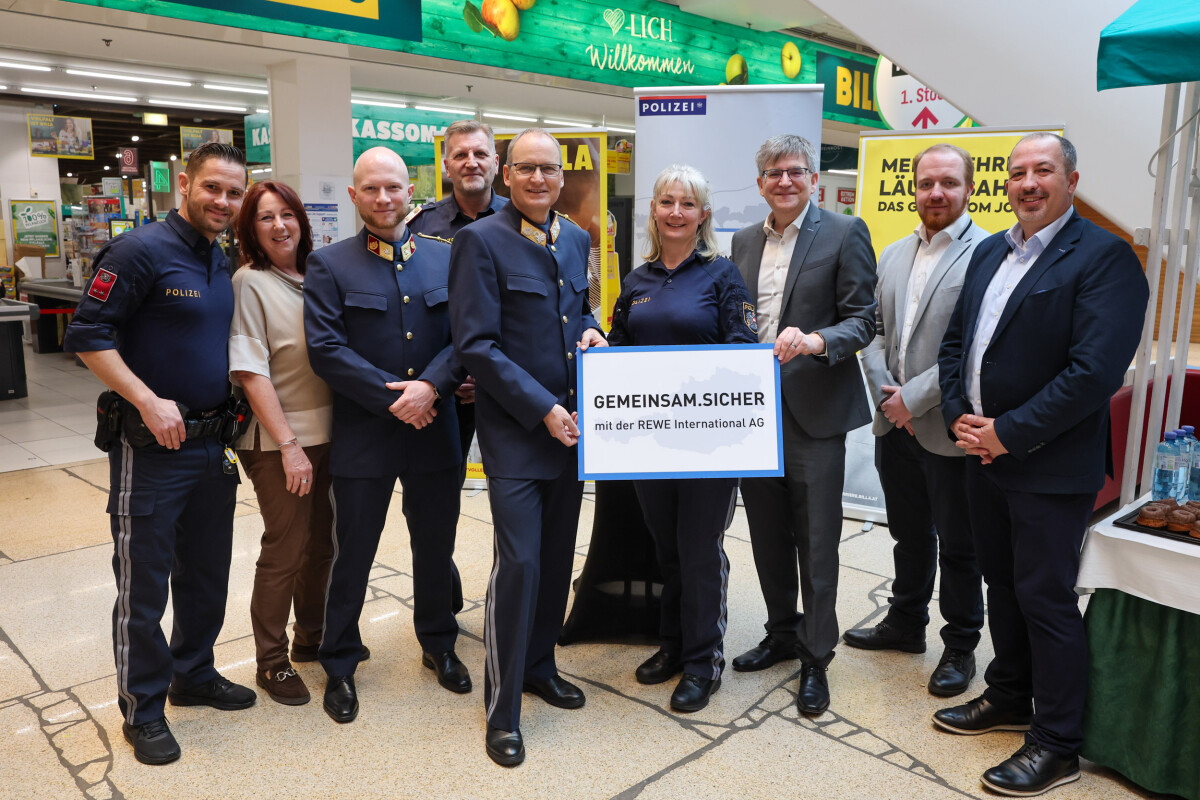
283 685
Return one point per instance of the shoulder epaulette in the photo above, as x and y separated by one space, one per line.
413 214
435 238
568 219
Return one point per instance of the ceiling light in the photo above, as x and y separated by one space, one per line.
19 65
464 111
620 130
513 117
362 101
134 138
159 101
260 171
841 172
2 87
217 87
116 98
118 155
567 124
117 76
172 158
107 167
69 175
261 110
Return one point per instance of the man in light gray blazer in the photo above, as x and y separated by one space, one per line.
920 468
812 274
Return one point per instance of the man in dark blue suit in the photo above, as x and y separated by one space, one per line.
471 163
519 308
378 332
1045 327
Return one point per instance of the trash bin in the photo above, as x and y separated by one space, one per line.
12 353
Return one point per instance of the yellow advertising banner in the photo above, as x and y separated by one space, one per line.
886 200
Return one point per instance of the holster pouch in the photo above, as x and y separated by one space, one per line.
109 409
136 433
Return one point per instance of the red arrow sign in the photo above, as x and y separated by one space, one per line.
925 119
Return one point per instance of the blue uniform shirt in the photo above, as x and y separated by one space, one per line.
444 218
163 298
698 302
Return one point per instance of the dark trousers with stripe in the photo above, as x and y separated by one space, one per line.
172 524
1028 545
535 525
360 505
687 519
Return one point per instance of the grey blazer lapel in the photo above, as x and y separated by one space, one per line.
953 253
902 268
804 240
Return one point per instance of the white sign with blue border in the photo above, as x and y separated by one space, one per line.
695 411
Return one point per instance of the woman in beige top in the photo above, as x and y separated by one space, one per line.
286 449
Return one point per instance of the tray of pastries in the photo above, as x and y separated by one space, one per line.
1165 518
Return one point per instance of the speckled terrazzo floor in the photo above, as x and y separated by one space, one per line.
60 731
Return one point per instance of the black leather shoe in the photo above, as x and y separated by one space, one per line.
341 698
153 742
658 668
218 693
303 653
885 636
770 651
979 716
556 691
451 673
692 692
1031 771
953 674
813 697
504 747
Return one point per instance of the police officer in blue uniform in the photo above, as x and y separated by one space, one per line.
472 164
519 308
378 332
153 326
686 294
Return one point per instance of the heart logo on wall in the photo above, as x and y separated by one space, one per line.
615 18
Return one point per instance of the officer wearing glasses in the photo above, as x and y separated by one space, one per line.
518 311
811 274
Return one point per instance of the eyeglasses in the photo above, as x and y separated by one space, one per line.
526 170
795 173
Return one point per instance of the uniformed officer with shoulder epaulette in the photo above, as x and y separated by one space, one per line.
519 308
472 164
378 332
153 326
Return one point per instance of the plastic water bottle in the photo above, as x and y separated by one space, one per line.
1183 462
1194 467
1164 468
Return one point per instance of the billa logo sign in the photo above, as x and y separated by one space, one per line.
368 9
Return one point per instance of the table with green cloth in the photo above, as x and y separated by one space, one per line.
1143 628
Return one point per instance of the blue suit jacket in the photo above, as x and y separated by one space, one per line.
1060 351
368 321
517 309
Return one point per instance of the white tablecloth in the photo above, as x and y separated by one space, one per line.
1161 570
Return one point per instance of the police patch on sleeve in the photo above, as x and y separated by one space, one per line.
749 317
102 284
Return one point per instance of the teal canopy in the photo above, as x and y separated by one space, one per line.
1154 42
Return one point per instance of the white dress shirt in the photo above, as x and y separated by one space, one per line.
1021 256
929 253
772 274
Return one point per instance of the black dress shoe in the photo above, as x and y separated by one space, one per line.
979 716
770 651
658 668
1031 771
813 697
885 636
303 653
556 691
218 693
451 673
692 692
153 742
504 747
953 674
341 698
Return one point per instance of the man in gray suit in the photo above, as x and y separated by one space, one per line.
920 469
812 274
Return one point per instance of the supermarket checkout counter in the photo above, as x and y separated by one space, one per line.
12 354
56 298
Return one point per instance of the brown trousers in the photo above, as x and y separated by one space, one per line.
297 550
